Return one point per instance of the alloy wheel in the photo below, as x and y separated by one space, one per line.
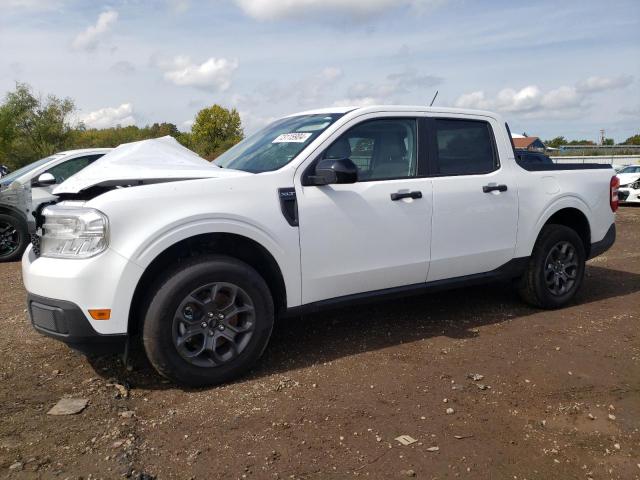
561 268
9 239
213 324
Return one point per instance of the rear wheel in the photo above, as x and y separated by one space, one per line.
208 322
14 238
556 268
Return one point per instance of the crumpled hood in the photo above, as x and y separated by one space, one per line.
138 163
626 178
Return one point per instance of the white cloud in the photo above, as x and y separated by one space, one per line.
358 102
475 100
312 89
631 111
273 10
110 117
562 98
531 100
179 6
394 84
599 84
309 90
42 5
523 100
214 73
88 40
252 122
123 67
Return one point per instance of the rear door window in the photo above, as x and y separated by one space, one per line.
464 147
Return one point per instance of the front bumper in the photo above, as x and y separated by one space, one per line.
106 281
66 322
626 195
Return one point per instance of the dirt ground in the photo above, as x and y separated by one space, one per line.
559 397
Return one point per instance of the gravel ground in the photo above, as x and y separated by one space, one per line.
559 395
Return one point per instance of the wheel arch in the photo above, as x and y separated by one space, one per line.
221 243
572 217
9 210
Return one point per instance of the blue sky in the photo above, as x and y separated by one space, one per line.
551 68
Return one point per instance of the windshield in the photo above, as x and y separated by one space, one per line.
277 144
6 180
630 169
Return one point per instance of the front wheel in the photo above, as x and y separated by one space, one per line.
208 321
556 268
14 238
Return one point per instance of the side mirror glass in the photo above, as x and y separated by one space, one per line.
44 180
335 171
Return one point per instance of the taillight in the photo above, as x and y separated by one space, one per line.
613 190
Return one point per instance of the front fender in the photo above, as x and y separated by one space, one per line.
160 241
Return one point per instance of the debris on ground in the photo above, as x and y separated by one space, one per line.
69 406
405 439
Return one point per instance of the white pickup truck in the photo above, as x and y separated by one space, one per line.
319 209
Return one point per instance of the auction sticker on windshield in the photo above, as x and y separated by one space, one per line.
292 138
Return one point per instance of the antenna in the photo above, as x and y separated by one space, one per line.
434 99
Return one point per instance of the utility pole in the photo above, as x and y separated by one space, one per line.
602 136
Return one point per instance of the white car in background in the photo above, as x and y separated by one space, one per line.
629 191
22 191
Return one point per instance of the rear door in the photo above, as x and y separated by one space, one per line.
475 198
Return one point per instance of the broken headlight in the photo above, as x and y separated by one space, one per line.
73 232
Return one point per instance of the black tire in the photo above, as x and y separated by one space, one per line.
166 326
542 283
14 238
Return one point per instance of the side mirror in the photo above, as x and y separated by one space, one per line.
335 171
45 180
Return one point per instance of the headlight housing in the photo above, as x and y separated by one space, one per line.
73 232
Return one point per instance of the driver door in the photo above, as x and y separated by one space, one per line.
373 234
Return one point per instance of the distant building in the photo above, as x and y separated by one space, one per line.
529 143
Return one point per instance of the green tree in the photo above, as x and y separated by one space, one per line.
634 140
556 142
608 141
215 130
32 127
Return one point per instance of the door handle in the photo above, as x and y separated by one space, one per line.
494 188
401 195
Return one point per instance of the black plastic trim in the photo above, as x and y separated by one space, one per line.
510 270
545 167
598 248
400 195
66 322
289 205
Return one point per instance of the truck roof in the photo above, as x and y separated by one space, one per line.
394 108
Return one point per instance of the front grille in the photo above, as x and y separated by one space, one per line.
35 241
